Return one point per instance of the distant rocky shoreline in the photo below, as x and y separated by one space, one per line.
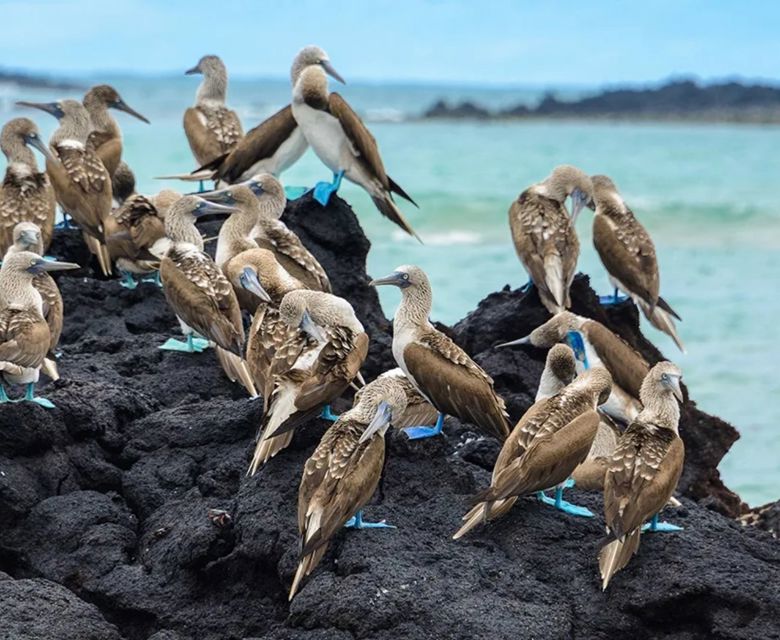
681 100
36 82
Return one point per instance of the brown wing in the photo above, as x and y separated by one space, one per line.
630 260
290 265
52 307
226 126
641 476
84 168
203 141
627 367
455 384
203 298
288 244
24 338
107 147
269 335
27 199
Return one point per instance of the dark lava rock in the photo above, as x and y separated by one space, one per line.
125 513
466 109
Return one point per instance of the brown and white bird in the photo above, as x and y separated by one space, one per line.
212 129
343 472
339 138
628 255
644 469
546 445
544 235
81 183
25 338
440 370
26 194
199 293
314 366
418 410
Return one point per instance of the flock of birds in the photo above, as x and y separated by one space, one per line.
603 417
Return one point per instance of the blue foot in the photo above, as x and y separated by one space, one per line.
418 433
128 281
559 503
615 298
327 414
153 279
357 522
293 193
66 223
3 395
527 287
191 345
29 396
201 186
577 343
654 526
324 190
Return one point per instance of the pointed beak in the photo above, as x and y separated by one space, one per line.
379 423
51 108
52 265
525 340
577 202
332 72
395 279
192 71
121 105
206 208
674 382
41 146
310 327
250 282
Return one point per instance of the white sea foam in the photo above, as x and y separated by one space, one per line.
444 238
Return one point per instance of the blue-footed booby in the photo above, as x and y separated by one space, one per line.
26 194
628 255
545 446
440 370
323 354
596 346
81 183
418 410
343 472
644 469
338 136
25 338
544 235
212 128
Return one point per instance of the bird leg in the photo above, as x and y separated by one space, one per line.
3 395
324 190
192 345
29 396
614 299
357 522
293 193
66 222
527 286
327 414
201 186
418 433
154 279
559 503
655 526
128 281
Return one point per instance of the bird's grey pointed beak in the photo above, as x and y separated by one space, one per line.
577 202
379 423
525 340
41 146
332 72
53 265
206 208
676 388
121 105
395 279
250 282
192 71
307 325
49 107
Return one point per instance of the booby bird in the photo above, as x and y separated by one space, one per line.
545 446
314 366
339 137
418 410
81 183
25 338
628 255
199 294
26 193
343 472
212 129
440 370
644 469
544 235
596 346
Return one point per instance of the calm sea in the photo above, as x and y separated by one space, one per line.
707 194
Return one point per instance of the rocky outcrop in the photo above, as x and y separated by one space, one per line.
125 513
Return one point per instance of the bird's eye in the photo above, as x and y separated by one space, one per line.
33 263
665 377
406 276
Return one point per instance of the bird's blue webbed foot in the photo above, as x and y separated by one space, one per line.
191 345
562 505
293 193
614 299
29 396
357 522
66 223
3 395
201 186
418 433
527 286
128 281
327 414
324 190
654 526
153 279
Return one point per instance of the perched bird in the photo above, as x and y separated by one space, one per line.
644 469
343 472
545 446
25 338
339 137
544 235
122 184
628 255
314 366
440 370
199 293
596 346
418 410
212 128
81 183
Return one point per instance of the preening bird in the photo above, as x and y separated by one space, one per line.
418 410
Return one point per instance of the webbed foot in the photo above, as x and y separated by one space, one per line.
562 505
418 433
191 345
655 526
357 522
327 414
29 396
324 190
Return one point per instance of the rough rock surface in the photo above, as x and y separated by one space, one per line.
104 501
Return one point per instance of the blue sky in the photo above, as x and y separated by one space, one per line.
484 42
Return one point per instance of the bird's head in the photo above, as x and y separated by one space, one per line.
313 56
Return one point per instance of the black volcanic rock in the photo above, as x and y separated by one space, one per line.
105 501
465 109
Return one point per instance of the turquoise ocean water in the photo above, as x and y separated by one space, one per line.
705 192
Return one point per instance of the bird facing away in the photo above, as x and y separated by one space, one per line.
644 469
440 370
26 194
628 255
25 338
343 472
81 183
544 235
545 446
314 366
596 346
338 136
212 129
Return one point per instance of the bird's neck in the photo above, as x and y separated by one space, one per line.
662 410
104 122
183 232
235 236
75 129
311 88
17 292
415 307
21 159
212 90
549 385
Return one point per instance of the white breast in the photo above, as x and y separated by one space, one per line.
325 135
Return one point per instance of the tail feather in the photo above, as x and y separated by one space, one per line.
663 321
195 176
395 188
483 512
282 407
49 368
236 370
615 555
665 306
389 209
553 278
100 251
306 565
